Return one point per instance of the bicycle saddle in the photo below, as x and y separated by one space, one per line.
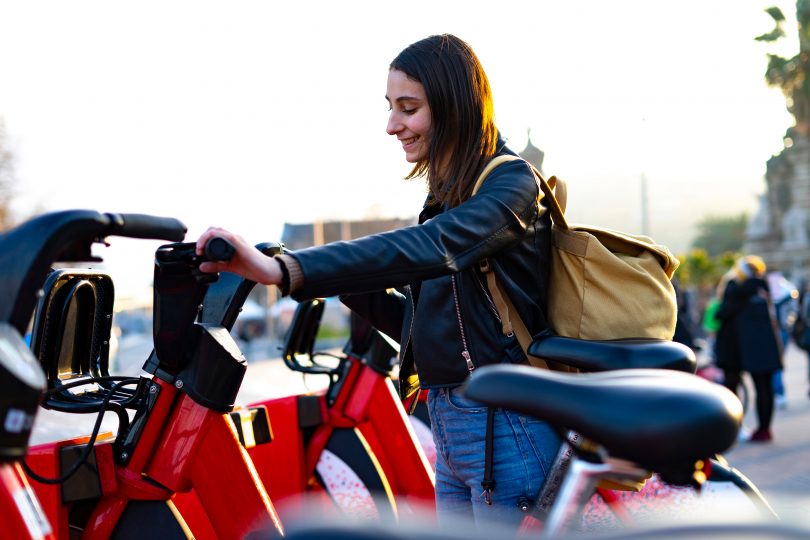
655 418
610 355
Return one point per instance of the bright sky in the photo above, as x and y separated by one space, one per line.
247 114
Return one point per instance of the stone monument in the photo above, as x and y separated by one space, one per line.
779 232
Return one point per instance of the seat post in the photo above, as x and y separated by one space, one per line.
580 485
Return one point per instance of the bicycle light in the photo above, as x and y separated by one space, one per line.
21 385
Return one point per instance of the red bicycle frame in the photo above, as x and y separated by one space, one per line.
184 446
28 521
358 418
368 406
179 439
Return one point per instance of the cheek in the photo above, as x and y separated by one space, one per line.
421 125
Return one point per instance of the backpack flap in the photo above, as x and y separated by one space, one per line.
610 285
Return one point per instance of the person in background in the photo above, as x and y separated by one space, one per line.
801 327
748 339
684 325
784 296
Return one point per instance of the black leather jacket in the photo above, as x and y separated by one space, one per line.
403 281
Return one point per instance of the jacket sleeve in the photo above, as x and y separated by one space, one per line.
494 219
383 309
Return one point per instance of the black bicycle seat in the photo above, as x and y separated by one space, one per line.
608 355
656 418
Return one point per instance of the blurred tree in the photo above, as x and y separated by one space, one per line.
717 235
697 268
699 273
6 178
700 270
790 74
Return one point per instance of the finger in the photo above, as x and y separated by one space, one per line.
212 267
209 233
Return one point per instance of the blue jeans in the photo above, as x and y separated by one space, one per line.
523 451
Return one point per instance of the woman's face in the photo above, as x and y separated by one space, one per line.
409 120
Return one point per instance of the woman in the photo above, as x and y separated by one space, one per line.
748 338
421 284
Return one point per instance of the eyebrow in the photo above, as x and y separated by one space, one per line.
403 98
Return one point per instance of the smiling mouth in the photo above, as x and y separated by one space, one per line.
406 142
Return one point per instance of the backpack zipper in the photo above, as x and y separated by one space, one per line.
464 353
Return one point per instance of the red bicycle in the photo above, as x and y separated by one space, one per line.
26 254
178 465
349 447
173 435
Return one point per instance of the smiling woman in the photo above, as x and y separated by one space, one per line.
421 283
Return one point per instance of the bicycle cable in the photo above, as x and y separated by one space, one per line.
96 428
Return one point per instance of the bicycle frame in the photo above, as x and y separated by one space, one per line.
358 421
367 419
179 439
195 449
28 521
26 253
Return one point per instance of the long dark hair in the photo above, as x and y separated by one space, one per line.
462 114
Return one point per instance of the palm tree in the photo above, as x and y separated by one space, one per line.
791 74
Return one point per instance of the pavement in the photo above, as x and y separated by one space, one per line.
780 469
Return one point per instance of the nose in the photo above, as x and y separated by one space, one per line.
394 125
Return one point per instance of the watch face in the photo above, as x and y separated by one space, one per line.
16 358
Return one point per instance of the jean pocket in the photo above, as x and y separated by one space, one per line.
456 400
545 440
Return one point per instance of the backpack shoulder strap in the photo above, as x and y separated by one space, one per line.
494 162
554 189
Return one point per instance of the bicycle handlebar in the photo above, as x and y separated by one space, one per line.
219 249
28 250
146 226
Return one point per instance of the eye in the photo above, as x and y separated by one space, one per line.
408 111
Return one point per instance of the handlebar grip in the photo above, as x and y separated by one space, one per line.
219 249
146 226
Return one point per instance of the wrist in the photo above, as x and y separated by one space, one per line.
291 277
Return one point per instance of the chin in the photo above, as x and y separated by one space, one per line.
412 157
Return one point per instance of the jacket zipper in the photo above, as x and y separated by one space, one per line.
465 353
413 316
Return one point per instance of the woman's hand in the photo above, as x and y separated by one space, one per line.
248 262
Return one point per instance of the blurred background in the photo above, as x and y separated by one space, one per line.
268 118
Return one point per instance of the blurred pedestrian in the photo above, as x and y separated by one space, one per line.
748 339
784 296
801 328
684 325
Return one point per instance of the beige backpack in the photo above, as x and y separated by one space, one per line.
603 284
